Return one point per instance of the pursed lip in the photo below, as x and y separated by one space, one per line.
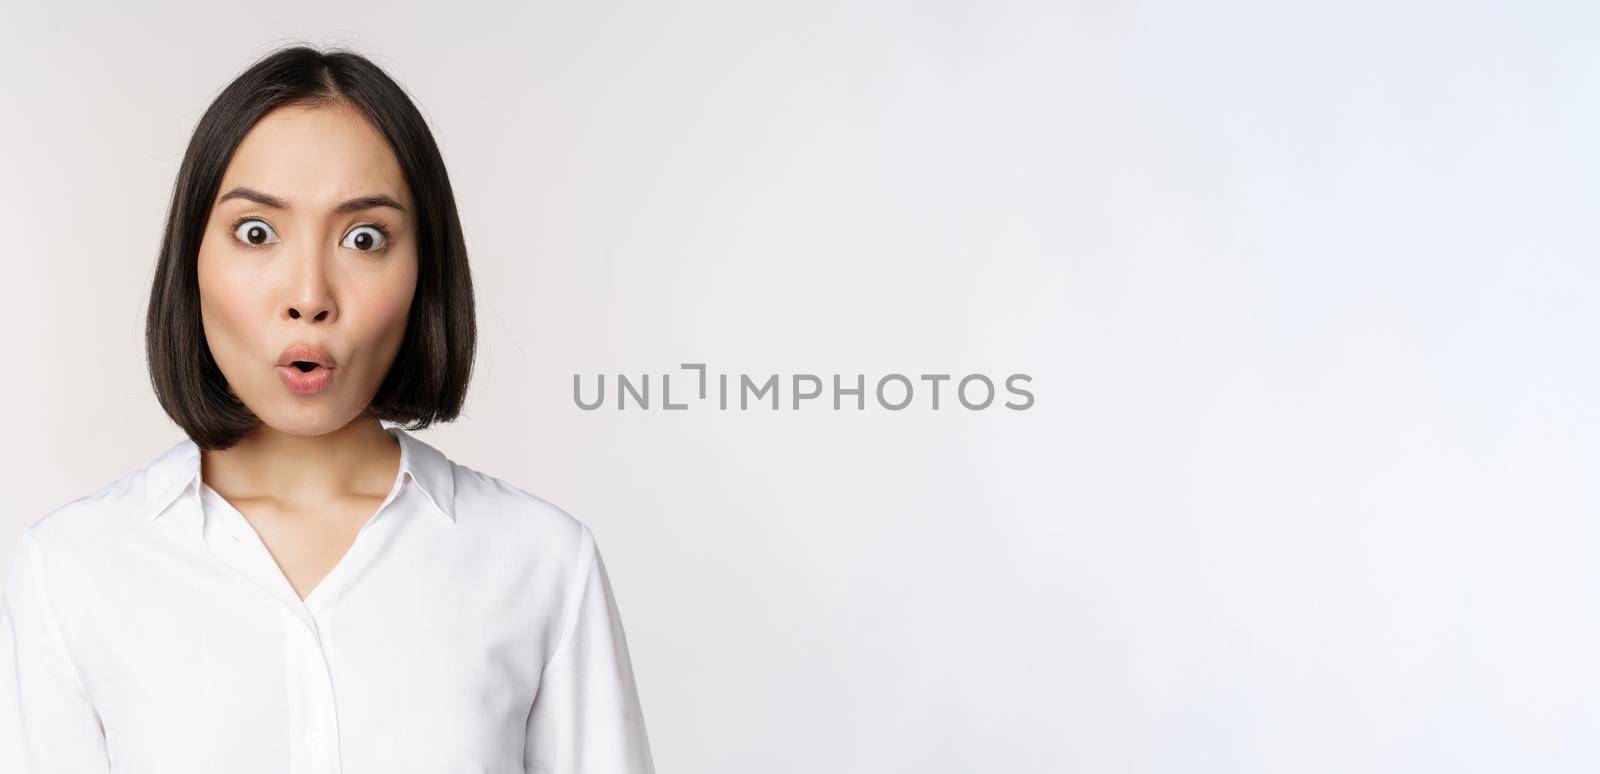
309 353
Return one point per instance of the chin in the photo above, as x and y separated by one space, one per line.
306 420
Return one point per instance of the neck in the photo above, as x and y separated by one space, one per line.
303 471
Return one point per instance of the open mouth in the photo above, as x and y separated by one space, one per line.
306 376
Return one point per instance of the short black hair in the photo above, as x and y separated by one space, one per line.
429 378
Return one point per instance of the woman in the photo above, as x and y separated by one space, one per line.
295 587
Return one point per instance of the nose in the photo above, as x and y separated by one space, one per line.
310 294
295 313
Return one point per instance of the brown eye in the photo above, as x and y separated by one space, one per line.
367 239
254 233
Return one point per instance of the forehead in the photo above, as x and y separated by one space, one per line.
316 157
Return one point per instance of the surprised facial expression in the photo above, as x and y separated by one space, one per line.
308 267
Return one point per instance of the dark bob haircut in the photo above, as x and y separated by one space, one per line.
428 380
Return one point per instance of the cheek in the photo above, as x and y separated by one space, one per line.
387 307
226 303
395 305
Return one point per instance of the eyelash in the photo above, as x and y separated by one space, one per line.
233 233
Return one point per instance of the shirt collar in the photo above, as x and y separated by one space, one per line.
178 469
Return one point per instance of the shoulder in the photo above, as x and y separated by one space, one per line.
498 509
92 516
90 530
109 512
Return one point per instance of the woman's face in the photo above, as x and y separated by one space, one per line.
310 242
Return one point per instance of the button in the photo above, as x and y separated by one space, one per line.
314 740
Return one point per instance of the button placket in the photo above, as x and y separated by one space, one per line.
313 721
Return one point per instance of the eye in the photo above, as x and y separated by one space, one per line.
368 238
253 232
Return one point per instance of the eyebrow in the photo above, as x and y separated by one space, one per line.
353 205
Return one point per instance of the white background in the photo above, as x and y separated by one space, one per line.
1307 294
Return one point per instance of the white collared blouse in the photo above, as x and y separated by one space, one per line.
470 627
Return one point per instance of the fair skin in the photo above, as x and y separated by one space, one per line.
307 270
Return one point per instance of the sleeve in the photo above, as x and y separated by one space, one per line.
586 717
46 721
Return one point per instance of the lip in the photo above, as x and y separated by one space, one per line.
311 353
306 382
